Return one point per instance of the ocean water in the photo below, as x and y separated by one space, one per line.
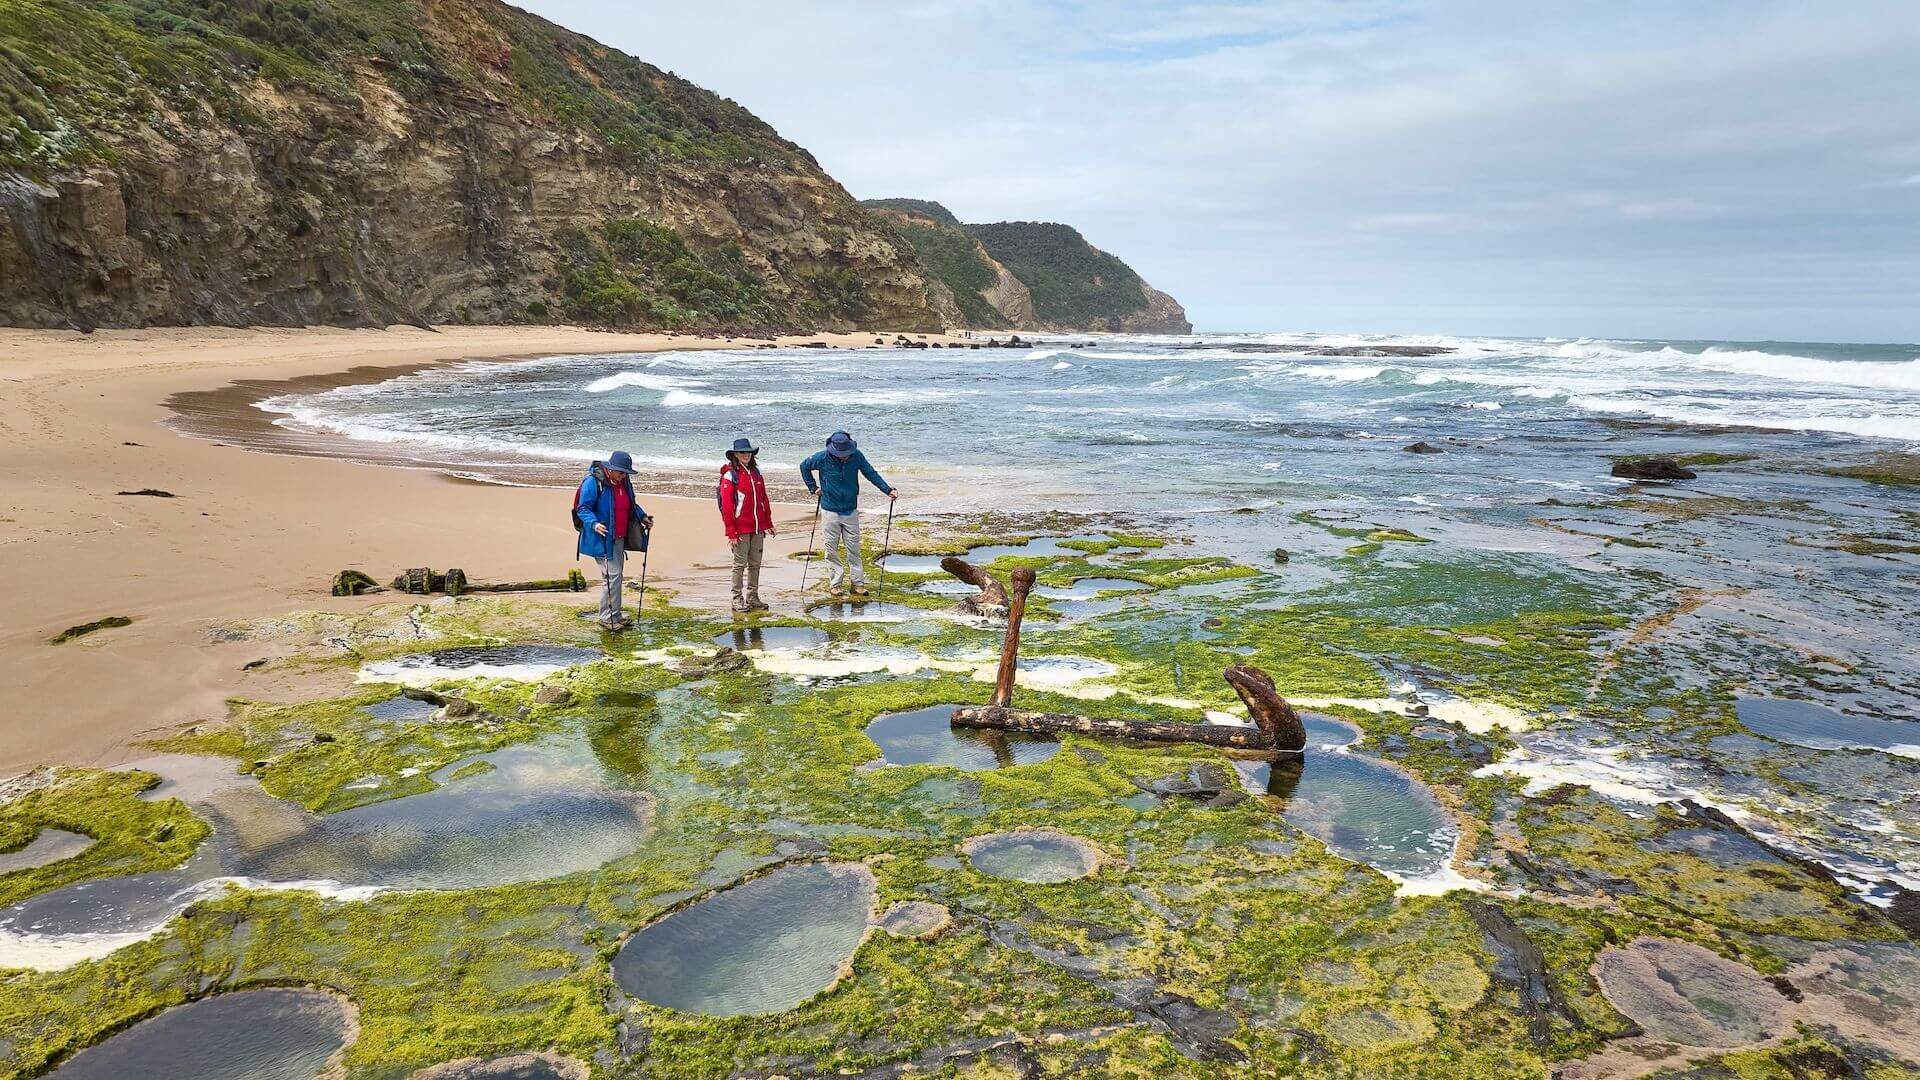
1143 422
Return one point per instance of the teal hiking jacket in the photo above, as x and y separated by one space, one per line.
839 481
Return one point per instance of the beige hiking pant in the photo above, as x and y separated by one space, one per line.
843 546
747 552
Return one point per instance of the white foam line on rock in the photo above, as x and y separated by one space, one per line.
58 952
1478 717
1601 769
1444 880
421 678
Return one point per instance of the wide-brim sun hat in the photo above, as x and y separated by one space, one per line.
620 461
841 445
744 446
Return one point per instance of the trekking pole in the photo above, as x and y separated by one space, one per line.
886 549
646 549
808 564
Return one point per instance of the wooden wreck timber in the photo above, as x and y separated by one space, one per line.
991 597
1276 730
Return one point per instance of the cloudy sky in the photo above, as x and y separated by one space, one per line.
1744 170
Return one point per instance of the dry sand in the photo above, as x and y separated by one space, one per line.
248 534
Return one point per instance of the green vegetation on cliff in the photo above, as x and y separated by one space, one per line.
376 161
72 72
1073 282
1058 280
638 272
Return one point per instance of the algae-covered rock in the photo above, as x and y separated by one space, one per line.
1683 993
1652 468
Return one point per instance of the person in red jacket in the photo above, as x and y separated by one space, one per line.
748 517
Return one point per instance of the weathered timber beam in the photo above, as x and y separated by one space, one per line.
1272 716
1232 736
991 593
1010 648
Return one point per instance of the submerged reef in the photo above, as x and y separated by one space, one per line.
1530 832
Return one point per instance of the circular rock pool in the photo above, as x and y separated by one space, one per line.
1041 856
763 946
277 1034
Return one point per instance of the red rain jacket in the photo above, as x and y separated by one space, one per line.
744 508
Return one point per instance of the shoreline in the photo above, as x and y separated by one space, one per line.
252 534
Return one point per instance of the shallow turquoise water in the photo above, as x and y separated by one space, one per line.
275 1034
763 946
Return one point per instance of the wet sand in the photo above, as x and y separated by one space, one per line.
251 534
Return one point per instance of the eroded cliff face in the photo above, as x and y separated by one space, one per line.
490 168
1029 275
1008 294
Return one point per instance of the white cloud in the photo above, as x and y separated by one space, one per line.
1511 162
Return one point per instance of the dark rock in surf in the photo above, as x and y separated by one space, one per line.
1653 468
1423 447
1280 555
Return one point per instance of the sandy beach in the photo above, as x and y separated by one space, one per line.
249 534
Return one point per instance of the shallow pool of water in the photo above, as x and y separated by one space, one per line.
764 946
542 810
1058 670
1805 723
927 737
1042 856
1363 809
48 846
1090 588
277 1034
523 663
773 638
400 708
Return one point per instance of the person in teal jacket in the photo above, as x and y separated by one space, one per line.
834 474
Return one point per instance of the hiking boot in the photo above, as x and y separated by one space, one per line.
757 604
741 608
859 588
617 624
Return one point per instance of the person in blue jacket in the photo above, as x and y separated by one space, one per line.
603 509
834 474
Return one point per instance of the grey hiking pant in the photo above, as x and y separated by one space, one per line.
747 552
843 538
612 569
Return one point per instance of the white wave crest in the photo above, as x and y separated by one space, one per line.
676 399
643 380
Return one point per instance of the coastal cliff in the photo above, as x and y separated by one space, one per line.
1029 275
367 162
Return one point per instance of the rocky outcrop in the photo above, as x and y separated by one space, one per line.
1008 295
1029 275
1652 468
1077 286
367 163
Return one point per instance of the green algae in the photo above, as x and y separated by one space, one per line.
131 834
82 630
1708 458
1901 470
327 757
1314 964
1685 873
